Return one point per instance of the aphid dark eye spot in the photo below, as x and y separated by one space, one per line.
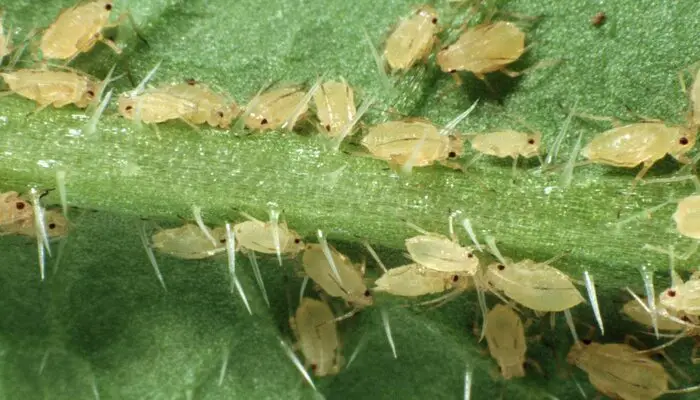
434 21
501 267
108 6
297 241
220 114
671 293
314 367
91 93
367 293
264 121
470 255
328 127
586 341
683 141
190 81
222 240
452 154
129 108
531 141
455 278
452 71
52 225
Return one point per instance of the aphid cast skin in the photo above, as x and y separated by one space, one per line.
56 225
55 88
335 106
155 106
619 371
505 335
189 242
255 235
211 108
412 40
271 109
351 286
483 49
315 328
439 253
14 209
687 217
641 143
415 280
537 286
77 30
413 139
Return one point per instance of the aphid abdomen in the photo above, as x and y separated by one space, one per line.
687 217
411 280
441 254
412 40
630 145
505 336
318 337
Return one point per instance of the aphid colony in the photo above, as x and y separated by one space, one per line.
438 265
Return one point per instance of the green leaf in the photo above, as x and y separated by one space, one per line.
101 320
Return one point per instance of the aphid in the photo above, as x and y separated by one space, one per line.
505 335
682 298
77 30
598 19
639 314
351 285
413 39
256 235
537 286
619 371
212 108
335 106
414 280
439 253
484 49
687 217
315 328
508 143
155 106
641 143
271 109
56 88
398 141
14 209
189 242
5 41
56 225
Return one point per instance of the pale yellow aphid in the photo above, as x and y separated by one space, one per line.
335 106
77 30
619 371
351 287
156 106
687 217
315 329
189 242
483 49
271 109
14 209
56 225
414 139
641 143
636 312
439 253
537 286
505 335
683 298
56 88
256 235
415 280
507 143
5 41
212 108
413 39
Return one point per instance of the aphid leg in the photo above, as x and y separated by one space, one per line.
539 65
646 213
297 363
151 256
674 179
675 339
645 168
630 339
387 330
258 276
593 297
514 170
442 300
347 315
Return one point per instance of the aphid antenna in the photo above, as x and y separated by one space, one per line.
303 288
197 214
142 85
61 185
442 300
297 363
379 63
567 174
572 327
374 255
366 104
360 345
684 390
91 125
258 277
648 279
674 179
645 213
468 376
329 256
593 297
151 256
450 223
274 222
491 243
294 116
470 231
450 126
387 330
676 338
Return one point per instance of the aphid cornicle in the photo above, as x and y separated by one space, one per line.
155 106
415 280
14 209
56 88
77 30
438 252
537 286
641 143
687 217
505 335
351 286
256 235
189 242
483 49
413 39
397 141
335 106
619 371
271 109
315 329
56 225
212 108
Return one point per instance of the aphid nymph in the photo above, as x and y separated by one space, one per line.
412 40
314 326
53 88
